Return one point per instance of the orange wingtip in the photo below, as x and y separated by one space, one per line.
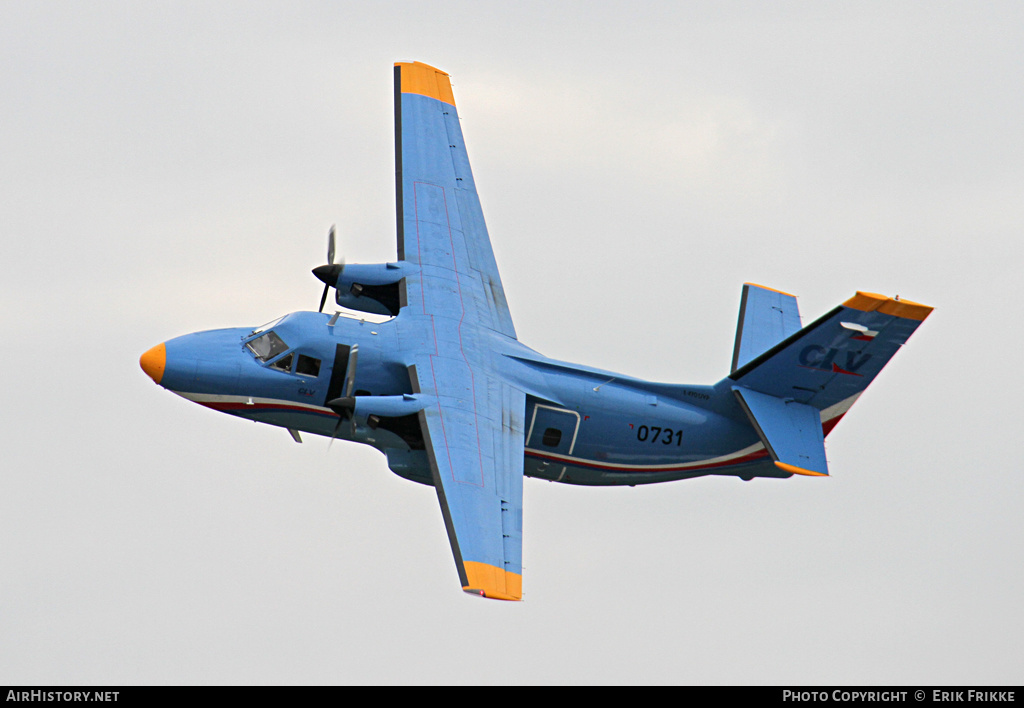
870 302
765 287
792 469
492 582
426 80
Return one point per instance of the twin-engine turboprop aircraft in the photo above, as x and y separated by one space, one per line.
447 392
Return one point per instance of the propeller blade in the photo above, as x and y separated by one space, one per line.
337 429
329 273
350 384
345 407
350 370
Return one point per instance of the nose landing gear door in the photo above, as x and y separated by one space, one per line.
552 430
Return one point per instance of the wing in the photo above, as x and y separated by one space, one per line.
474 438
440 223
454 307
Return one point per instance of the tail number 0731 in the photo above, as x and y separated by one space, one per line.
654 434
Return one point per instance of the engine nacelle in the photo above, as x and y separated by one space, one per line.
371 287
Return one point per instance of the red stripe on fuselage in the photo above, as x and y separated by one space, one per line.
575 462
229 406
827 426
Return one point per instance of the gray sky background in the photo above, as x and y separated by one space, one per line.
167 167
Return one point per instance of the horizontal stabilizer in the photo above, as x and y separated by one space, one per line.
766 318
791 431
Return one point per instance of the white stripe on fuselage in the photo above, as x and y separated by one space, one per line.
202 398
838 409
566 459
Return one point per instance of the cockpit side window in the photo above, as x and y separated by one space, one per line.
283 364
267 346
308 365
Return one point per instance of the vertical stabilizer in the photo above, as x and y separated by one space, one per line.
766 318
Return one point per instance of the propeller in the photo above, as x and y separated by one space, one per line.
345 406
329 273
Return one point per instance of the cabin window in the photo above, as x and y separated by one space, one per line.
552 436
267 346
308 366
283 364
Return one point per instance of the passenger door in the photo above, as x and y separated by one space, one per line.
552 430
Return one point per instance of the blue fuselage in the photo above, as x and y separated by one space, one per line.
582 425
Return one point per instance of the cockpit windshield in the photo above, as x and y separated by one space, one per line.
268 346
268 325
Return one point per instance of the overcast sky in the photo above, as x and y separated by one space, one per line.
167 167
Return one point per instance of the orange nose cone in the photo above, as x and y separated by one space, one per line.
154 361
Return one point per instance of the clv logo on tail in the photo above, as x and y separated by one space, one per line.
815 356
